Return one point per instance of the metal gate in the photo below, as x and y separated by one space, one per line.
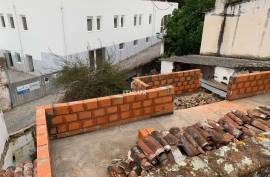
31 89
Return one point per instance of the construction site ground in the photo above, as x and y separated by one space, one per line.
89 154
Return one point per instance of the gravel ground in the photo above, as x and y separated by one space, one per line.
195 99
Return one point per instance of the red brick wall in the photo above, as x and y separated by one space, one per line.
43 153
71 118
183 81
66 119
245 85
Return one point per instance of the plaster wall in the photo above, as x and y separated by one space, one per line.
223 74
59 28
166 67
246 30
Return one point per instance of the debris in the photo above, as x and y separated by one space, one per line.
22 169
195 99
144 132
155 149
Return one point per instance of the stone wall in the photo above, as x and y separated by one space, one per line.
5 102
245 85
183 81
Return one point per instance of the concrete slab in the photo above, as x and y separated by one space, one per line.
24 115
88 155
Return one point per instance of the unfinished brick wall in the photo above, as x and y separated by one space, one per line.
66 119
183 81
71 118
245 85
43 153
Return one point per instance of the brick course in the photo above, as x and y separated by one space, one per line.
103 112
245 85
43 153
183 81
67 119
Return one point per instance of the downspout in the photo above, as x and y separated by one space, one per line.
19 36
63 30
222 28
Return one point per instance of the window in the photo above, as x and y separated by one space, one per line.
135 42
3 21
121 46
122 21
18 57
147 39
140 19
150 18
98 22
24 23
135 20
89 23
115 21
11 21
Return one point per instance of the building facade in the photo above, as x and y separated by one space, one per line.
36 36
238 28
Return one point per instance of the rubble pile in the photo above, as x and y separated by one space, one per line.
196 99
22 169
157 149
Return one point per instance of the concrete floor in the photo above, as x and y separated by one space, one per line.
24 115
88 155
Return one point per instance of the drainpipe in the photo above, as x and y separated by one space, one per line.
19 36
63 30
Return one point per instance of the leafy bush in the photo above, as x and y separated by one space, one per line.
81 81
184 27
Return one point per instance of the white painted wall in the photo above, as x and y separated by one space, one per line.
166 67
3 139
223 74
246 32
60 26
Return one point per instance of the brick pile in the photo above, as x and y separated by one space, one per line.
183 81
158 149
245 85
22 169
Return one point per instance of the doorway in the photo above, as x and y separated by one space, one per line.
30 62
96 57
100 56
9 60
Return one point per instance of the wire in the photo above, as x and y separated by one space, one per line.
159 7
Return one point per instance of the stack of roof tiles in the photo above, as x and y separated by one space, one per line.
22 169
156 149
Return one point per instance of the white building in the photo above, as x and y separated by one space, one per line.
237 28
34 33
